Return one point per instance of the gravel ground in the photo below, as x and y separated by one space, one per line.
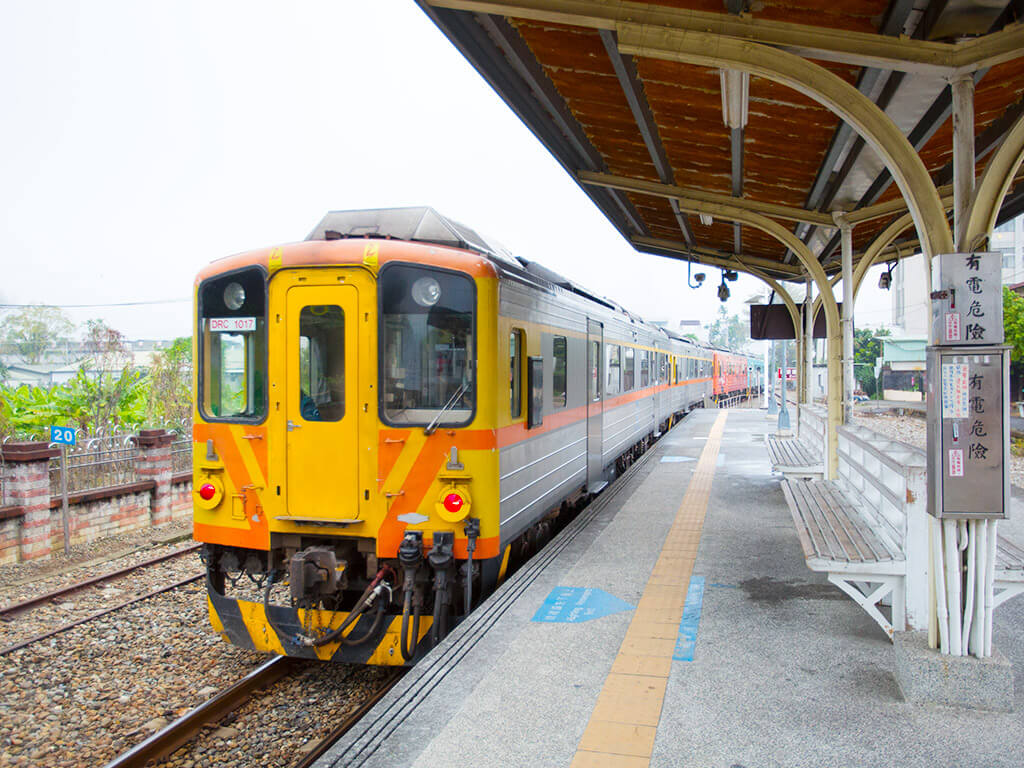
282 724
64 610
913 430
19 581
83 697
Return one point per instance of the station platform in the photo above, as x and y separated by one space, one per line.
674 623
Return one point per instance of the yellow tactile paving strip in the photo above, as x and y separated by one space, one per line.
624 722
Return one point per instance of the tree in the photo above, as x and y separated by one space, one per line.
867 348
729 331
34 330
1013 330
107 385
170 384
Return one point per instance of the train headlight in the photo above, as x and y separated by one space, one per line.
208 492
453 504
426 291
234 296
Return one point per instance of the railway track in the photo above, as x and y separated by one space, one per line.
188 726
8 613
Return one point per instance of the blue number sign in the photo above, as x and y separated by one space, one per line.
62 435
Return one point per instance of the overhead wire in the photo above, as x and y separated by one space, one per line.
92 306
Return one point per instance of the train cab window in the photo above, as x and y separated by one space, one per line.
628 369
321 363
233 347
645 368
427 355
515 358
560 352
613 370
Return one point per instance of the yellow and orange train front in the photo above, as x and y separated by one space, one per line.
322 439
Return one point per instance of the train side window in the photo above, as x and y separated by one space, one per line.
322 363
515 355
560 352
662 368
613 367
628 369
534 391
645 368
594 372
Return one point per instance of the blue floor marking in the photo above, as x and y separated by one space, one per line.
686 643
572 605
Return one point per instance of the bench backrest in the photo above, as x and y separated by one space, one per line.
812 428
883 477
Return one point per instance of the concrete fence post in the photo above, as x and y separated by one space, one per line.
154 463
916 547
29 488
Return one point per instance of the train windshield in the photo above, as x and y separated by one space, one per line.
427 350
233 347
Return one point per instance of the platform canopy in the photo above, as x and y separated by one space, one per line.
728 132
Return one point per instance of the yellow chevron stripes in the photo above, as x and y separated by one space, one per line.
624 723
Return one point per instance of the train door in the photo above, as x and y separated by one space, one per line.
321 392
595 406
658 373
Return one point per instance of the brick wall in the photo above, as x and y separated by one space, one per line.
31 526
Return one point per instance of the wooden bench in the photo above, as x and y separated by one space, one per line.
856 529
861 555
793 458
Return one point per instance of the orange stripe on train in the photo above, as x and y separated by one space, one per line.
425 468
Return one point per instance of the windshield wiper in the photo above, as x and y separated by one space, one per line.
429 429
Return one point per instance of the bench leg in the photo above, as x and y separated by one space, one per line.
1006 590
869 601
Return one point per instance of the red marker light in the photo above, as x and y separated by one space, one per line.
207 492
453 502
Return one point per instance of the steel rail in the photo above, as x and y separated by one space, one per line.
327 742
185 728
8 611
90 617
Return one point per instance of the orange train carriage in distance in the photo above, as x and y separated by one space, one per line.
394 411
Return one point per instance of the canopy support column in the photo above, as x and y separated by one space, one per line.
846 232
808 361
963 157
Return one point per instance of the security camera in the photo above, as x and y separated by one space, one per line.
732 275
699 277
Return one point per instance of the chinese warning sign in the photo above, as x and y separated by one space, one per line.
952 326
955 391
956 463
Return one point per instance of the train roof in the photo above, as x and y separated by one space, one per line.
420 224
424 224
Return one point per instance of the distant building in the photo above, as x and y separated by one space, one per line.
60 365
901 368
1008 240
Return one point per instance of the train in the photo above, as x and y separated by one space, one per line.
394 412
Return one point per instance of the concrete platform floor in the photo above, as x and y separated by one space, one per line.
786 670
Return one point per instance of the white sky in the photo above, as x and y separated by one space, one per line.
140 141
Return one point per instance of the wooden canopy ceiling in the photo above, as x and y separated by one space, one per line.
651 140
